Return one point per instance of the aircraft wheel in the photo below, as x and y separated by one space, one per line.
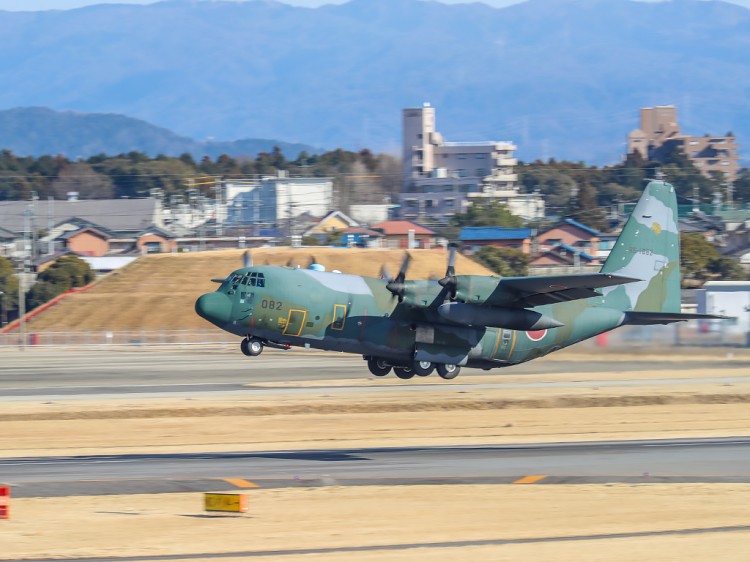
251 347
448 371
403 372
423 368
378 367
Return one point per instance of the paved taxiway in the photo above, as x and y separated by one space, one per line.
682 460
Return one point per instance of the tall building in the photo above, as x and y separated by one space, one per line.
660 133
441 178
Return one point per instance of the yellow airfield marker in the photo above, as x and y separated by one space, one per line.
236 503
533 479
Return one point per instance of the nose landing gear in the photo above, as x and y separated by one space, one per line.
252 347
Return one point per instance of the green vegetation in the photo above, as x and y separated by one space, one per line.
701 261
64 274
584 192
481 214
8 286
358 176
506 262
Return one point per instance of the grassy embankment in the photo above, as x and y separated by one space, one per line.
158 292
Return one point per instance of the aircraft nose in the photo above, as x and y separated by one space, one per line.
214 307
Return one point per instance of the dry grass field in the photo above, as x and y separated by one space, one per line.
158 292
565 523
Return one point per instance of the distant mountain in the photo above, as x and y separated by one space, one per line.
34 131
560 78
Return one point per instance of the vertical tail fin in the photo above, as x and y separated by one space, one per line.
649 249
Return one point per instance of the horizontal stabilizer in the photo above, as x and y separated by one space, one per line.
638 318
549 289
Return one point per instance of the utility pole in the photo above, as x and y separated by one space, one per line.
291 212
50 225
34 199
219 208
3 312
256 209
22 280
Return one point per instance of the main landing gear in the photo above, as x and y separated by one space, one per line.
378 367
381 367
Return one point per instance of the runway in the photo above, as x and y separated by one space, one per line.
70 375
683 460
78 374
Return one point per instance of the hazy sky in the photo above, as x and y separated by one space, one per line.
31 5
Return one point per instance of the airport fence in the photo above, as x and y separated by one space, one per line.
112 338
687 334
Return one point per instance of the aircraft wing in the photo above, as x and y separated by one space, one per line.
637 318
528 292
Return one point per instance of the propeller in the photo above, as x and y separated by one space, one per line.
396 286
385 273
247 259
449 281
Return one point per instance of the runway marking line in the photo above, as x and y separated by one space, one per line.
532 479
241 483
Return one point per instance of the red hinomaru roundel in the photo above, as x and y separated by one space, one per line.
536 335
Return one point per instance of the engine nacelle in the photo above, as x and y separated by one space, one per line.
496 317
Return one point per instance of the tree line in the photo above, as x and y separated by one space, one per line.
135 174
62 275
574 189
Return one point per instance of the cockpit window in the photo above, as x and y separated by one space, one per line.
256 279
236 278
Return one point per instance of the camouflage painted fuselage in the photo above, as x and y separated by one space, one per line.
341 312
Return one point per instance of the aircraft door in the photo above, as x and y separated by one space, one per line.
505 345
295 322
339 317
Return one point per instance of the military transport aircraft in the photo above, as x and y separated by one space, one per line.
417 326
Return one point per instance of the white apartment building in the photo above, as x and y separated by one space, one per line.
442 178
276 201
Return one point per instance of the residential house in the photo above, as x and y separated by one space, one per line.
569 233
155 241
361 237
117 217
406 234
474 238
86 241
333 223
563 255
